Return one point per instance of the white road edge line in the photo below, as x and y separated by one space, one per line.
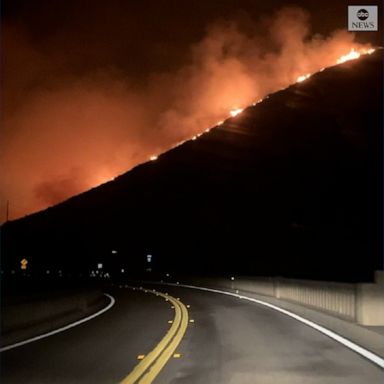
342 340
58 330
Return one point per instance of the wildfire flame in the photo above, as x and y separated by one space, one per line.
351 55
235 112
303 77
153 158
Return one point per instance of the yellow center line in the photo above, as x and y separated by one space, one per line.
147 370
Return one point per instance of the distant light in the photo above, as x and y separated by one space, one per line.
149 258
48 272
167 274
235 112
232 278
100 266
122 270
153 158
114 252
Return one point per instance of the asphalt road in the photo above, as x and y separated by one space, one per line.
231 341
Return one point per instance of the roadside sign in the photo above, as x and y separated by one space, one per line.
24 263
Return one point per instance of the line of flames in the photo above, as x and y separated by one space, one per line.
351 55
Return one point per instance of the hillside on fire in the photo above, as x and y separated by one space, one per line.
290 186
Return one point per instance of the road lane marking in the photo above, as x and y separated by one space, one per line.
342 340
44 335
147 370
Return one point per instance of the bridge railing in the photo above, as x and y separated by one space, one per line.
360 302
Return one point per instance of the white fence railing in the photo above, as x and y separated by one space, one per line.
362 302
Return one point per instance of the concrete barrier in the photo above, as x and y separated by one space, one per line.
22 318
370 302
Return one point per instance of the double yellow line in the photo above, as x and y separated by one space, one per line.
147 370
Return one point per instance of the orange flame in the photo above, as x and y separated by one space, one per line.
351 55
303 77
235 112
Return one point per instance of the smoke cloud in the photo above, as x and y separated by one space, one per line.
65 131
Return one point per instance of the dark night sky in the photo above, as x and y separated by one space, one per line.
93 88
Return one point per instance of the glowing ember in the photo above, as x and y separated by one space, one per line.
152 158
236 112
303 77
194 137
220 122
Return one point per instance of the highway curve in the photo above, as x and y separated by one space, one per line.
227 341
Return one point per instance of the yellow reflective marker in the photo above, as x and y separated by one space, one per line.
177 355
140 357
150 366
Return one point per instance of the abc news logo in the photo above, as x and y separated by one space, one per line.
362 18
